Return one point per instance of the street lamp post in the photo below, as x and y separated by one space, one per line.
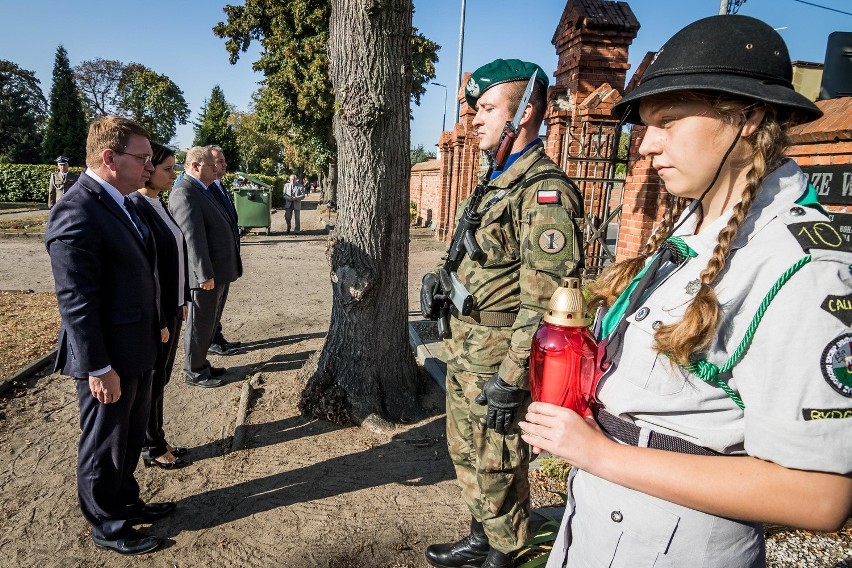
444 123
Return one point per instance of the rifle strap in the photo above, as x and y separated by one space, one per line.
486 318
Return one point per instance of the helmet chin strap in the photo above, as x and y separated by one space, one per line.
697 204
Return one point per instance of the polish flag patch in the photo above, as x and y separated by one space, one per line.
547 196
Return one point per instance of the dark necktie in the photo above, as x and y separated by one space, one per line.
140 225
669 252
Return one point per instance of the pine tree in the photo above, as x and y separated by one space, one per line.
67 125
213 128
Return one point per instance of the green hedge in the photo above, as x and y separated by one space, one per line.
28 183
24 182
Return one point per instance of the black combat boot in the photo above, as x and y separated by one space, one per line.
497 559
469 552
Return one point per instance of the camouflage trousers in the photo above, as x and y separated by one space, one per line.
491 468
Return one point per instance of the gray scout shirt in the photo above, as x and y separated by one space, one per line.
795 380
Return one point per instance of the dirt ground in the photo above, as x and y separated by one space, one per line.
300 493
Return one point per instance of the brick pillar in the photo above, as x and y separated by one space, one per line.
644 201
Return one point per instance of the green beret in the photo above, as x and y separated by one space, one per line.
500 71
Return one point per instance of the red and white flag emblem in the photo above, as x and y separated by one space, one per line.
547 196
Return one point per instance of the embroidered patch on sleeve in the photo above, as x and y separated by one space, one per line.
551 241
836 363
819 235
826 413
840 307
547 196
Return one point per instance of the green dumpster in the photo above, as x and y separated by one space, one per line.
253 201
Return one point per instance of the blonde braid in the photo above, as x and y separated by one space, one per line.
695 332
615 278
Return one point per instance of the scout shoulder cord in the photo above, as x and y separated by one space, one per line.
710 373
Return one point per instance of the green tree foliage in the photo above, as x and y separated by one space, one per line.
22 112
152 100
98 80
213 127
297 103
67 125
420 154
259 152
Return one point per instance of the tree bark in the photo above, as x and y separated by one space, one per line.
365 371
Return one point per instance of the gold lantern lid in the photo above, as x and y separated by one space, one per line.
567 306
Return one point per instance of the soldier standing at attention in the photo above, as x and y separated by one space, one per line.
530 241
60 181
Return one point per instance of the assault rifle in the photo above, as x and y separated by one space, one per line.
452 291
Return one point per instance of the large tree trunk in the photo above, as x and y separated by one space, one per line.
365 371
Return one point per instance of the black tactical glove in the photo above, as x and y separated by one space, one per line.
428 291
502 400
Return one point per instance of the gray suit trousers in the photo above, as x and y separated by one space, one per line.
200 327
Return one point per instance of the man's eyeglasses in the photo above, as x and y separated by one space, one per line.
146 158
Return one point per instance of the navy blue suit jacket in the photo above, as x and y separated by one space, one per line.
106 285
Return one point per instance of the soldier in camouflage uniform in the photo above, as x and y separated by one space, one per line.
530 238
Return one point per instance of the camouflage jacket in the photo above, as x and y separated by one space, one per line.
531 241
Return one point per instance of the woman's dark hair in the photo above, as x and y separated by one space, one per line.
160 153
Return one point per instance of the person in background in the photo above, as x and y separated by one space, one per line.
60 181
174 294
294 193
725 377
213 258
220 345
104 267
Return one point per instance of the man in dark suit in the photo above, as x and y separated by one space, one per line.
220 345
103 266
213 257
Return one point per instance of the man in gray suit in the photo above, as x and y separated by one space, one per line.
213 256
294 193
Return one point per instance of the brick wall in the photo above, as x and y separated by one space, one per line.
827 141
424 191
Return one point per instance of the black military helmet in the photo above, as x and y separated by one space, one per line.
736 55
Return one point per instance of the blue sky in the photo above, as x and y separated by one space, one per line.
175 38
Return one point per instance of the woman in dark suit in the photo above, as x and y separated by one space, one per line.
174 293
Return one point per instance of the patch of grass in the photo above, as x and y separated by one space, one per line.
557 468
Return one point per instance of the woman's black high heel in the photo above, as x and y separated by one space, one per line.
177 464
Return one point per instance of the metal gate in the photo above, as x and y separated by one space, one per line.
591 158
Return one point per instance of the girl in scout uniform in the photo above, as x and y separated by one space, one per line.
725 394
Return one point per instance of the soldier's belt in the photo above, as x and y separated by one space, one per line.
486 318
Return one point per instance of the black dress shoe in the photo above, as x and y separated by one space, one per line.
177 464
203 383
178 451
469 552
217 349
153 512
218 371
134 542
